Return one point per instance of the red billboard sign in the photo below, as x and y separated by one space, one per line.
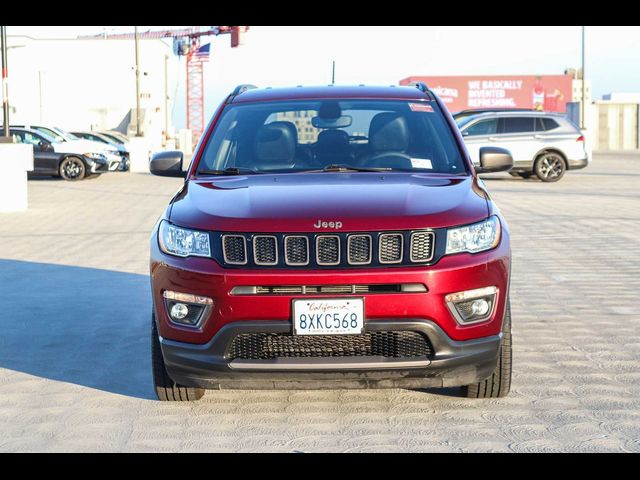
539 92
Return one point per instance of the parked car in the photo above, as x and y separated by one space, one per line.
68 160
115 136
117 146
114 159
331 237
458 116
544 144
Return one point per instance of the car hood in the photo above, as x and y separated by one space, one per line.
360 201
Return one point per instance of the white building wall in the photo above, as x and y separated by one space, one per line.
80 84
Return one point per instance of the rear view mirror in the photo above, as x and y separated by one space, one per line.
340 122
494 159
167 164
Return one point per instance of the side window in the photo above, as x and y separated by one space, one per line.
517 125
549 123
31 138
483 127
18 137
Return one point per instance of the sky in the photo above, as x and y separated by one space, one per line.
280 56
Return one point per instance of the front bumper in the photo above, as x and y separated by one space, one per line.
462 354
97 166
454 363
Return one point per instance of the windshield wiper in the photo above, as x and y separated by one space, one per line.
348 168
227 171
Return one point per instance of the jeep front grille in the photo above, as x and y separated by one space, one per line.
271 346
234 249
296 250
421 246
340 250
359 249
265 250
390 249
328 250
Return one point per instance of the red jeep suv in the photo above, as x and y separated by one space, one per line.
330 237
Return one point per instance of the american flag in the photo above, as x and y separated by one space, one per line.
203 52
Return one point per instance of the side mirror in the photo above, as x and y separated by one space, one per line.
465 133
494 159
167 164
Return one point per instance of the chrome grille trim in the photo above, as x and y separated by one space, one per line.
269 250
320 238
286 249
381 248
329 289
415 252
350 252
224 250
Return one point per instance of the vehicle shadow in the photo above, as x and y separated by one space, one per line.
79 325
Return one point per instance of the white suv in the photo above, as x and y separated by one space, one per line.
543 144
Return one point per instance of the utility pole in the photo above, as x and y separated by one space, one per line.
136 40
333 73
584 96
166 98
5 86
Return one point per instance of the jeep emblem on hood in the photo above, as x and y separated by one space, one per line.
323 224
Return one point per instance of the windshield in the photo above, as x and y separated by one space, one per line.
297 136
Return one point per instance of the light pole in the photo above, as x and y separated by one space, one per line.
135 36
5 85
582 103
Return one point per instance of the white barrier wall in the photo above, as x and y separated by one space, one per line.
15 161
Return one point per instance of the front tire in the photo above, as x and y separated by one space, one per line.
72 169
499 383
550 167
166 389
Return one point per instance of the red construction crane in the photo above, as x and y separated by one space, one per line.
186 42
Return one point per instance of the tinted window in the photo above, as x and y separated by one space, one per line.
283 137
517 125
26 137
483 127
549 123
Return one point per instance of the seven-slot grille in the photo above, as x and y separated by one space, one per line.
271 346
328 250
390 249
421 246
359 249
265 250
234 248
296 250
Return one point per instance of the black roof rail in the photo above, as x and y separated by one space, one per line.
420 86
242 88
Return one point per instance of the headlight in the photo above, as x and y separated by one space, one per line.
474 238
183 242
95 156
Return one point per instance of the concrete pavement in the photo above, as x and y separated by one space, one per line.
74 345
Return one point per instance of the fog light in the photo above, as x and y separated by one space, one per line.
480 307
472 306
186 309
179 311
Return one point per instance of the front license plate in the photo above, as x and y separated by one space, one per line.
344 316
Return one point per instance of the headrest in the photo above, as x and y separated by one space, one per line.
389 132
330 141
276 142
